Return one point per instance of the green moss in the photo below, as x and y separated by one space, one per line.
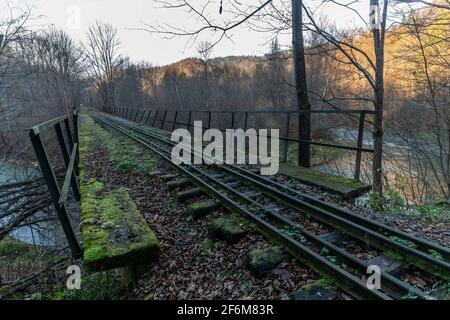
268 255
208 244
322 283
262 261
225 229
123 152
115 233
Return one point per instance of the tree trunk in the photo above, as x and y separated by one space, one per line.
378 135
448 167
301 87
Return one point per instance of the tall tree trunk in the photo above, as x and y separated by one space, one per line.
301 87
448 166
378 31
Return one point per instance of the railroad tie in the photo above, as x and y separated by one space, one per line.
335 237
169 177
387 264
172 185
251 194
262 261
201 209
224 229
233 184
183 196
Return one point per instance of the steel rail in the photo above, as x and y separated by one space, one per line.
374 225
371 224
424 261
347 281
396 286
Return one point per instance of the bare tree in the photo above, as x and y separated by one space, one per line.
13 23
204 49
372 70
241 15
102 50
424 60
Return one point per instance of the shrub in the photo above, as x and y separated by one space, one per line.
391 201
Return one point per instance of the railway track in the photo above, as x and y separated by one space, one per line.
286 215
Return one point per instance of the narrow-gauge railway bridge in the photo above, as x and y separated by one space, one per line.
279 212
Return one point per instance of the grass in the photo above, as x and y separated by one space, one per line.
13 247
124 153
16 254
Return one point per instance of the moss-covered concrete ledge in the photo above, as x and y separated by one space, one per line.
115 234
344 187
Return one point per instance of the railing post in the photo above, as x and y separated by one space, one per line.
154 120
362 120
69 134
66 158
189 121
246 121
232 120
164 119
137 115
55 194
209 119
142 117
148 117
76 139
286 135
175 121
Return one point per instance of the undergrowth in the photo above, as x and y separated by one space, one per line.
392 202
98 286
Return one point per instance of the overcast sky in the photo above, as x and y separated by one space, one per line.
140 45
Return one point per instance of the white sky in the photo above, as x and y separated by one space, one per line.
140 45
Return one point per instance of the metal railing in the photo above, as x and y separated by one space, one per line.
160 118
70 155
